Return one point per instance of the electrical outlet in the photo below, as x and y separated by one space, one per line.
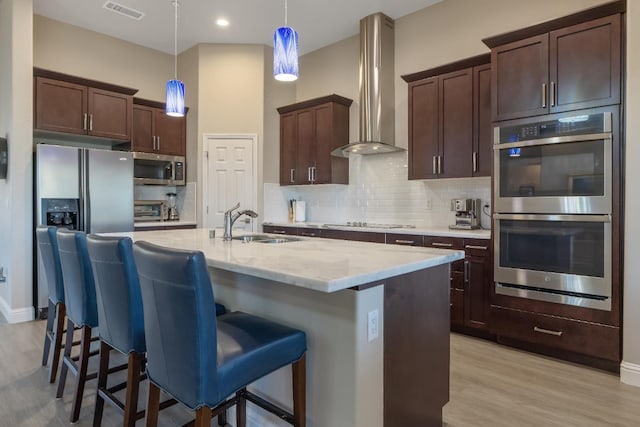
373 325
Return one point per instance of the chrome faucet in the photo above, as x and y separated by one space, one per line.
230 219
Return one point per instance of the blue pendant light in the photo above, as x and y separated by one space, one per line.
285 52
175 88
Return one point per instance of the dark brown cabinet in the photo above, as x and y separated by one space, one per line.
155 132
478 280
566 69
449 120
73 107
294 231
309 131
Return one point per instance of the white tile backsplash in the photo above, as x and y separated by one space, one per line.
185 197
379 192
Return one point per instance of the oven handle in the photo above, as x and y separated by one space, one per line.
542 217
554 140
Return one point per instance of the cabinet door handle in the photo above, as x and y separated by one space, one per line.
153 141
439 165
279 232
475 161
314 174
292 175
158 139
405 242
544 95
547 331
553 94
433 166
442 245
482 248
84 122
466 271
309 174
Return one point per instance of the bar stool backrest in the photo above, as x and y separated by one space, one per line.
48 246
79 287
118 296
180 322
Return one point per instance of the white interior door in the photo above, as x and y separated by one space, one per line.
230 177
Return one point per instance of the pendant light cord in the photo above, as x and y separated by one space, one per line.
175 40
285 13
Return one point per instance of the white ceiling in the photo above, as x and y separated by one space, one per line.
318 22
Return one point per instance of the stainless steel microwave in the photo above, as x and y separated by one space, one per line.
158 169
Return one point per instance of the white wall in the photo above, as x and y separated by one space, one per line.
630 369
16 105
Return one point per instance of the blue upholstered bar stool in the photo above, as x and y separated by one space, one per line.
201 360
121 321
80 297
48 247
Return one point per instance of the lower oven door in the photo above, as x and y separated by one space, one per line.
556 258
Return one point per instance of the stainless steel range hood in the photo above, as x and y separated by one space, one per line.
377 99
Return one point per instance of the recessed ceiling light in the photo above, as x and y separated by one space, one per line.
222 22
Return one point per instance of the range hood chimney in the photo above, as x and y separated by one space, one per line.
377 99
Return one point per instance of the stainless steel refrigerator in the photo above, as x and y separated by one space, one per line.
82 189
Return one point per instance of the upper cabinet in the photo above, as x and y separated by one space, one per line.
450 120
156 132
78 106
567 68
309 131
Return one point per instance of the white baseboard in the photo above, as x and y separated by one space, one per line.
630 373
16 316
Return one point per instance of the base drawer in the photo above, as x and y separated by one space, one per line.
592 339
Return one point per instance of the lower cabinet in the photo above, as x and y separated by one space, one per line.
279 230
591 339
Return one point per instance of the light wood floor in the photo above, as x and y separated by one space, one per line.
491 386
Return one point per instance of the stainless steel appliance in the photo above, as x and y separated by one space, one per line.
554 166
556 258
553 204
82 189
158 169
172 209
467 214
149 210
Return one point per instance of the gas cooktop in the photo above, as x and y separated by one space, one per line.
363 224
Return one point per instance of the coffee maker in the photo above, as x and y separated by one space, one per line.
467 214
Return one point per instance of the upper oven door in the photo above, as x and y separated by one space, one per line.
545 168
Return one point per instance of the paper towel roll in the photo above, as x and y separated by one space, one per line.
300 211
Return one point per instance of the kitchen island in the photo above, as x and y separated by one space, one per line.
376 318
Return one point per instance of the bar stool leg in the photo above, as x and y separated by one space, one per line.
133 387
203 417
58 325
299 374
153 406
241 409
103 370
66 359
83 363
47 334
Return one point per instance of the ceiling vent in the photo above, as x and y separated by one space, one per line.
123 10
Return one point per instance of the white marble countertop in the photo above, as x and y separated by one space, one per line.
426 231
324 265
150 224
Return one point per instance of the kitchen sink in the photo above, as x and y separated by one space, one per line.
263 238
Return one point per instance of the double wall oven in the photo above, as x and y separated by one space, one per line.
553 204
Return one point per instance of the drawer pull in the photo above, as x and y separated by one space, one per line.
547 331
308 234
406 242
442 245
279 232
480 248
